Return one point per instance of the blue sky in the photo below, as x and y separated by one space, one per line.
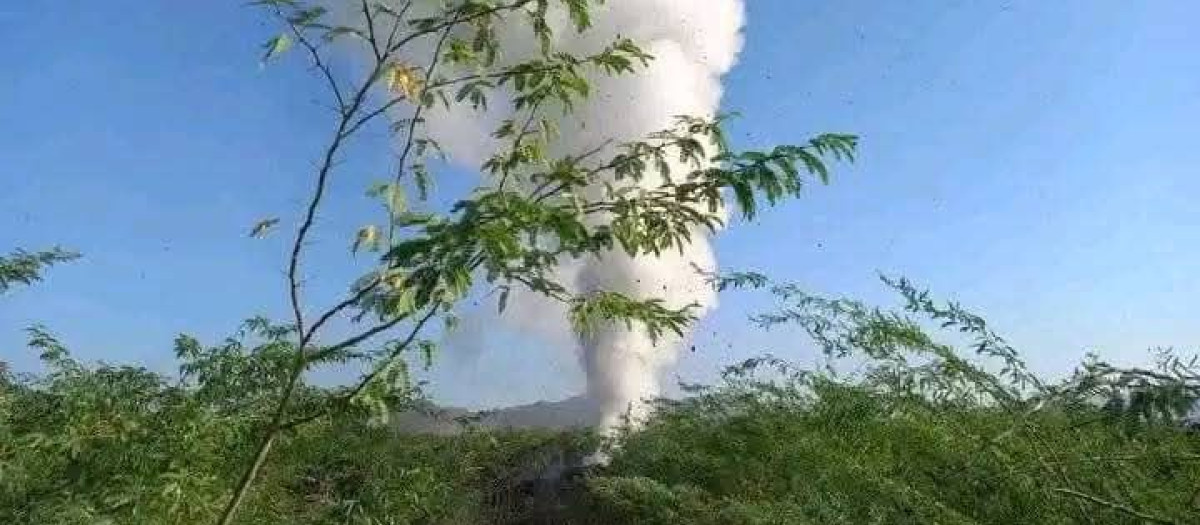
1034 160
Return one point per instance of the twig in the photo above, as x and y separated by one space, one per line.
519 139
1116 506
491 76
366 380
319 63
348 302
453 23
410 136
370 21
397 21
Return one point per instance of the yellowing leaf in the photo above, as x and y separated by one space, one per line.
367 238
396 281
403 80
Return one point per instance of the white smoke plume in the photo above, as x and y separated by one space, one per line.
694 43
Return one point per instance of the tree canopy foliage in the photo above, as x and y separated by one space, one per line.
23 268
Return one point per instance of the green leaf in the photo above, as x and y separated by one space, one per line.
276 46
22 267
306 17
336 32
424 181
427 349
580 17
394 198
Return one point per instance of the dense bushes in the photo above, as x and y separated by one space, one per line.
113 444
912 432
846 454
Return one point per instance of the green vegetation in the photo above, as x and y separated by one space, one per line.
918 433
24 268
539 206
900 428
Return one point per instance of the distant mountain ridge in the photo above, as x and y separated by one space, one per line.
574 412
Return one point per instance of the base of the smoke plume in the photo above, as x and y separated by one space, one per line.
634 418
623 384
600 458
624 363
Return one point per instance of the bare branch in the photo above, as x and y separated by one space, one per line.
358 339
410 136
366 380
370 21
318 62
399 20
326 167
1116 506
300 362
338 308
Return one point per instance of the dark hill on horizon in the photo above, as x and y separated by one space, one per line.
428 418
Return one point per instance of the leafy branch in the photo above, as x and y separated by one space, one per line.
540 212
25 268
